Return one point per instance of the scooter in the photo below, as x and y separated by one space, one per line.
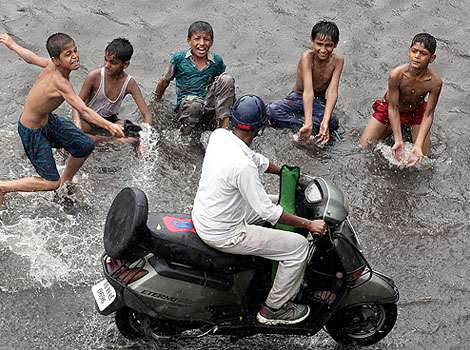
163 282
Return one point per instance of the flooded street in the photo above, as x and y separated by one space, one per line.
413 223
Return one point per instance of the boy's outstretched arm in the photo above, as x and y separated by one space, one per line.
85 95
426 123
331 98
306 68
163 83
394 112
65 89
25 54
160 88
139 101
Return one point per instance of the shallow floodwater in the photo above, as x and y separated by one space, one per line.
413 223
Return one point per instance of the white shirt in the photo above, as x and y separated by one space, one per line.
229 188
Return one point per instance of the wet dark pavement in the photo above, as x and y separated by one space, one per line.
413 223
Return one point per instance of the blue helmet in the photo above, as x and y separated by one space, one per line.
248 113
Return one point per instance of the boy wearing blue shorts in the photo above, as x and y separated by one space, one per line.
204 90
311 103
40 130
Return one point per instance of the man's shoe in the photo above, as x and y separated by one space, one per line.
290 313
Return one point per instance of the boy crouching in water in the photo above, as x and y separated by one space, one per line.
405 104
40 129
313 98
105 88
203 89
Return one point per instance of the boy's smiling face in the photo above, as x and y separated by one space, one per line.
200 43
69 57
113 65
323 46
419 56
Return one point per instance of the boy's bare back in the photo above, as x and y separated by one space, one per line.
413 89
322 72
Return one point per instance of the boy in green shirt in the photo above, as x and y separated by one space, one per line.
203 90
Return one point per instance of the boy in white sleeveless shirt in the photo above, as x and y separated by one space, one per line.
104 90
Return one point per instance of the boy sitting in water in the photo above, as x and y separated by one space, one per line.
40 129
316 88
203 89
104 90
404 103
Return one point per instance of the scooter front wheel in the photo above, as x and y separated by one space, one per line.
362 324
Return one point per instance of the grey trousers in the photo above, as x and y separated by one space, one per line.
217 104
288 248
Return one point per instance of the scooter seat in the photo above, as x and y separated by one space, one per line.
131 231
174 238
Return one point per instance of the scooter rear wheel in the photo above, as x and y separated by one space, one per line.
127 323
362 324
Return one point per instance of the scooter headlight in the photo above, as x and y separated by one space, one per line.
312 193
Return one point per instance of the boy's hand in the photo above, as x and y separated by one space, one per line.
116 130
323 134
304 133
397 150
7 40
415 156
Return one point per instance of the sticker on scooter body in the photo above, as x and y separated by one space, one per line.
104 294
182 224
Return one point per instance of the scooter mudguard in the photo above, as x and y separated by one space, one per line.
379 289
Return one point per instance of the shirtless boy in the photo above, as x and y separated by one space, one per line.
404 103
313 99
104 90
40 129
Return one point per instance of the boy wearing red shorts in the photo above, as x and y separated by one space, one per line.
405 102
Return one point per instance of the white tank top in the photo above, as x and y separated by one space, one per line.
102 105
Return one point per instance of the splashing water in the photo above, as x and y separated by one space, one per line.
143 168
32 239
386 151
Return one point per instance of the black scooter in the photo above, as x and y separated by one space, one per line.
163 282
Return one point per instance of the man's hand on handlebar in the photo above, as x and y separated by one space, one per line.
317 227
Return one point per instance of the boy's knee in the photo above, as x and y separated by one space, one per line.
85 149
191 111
194 109
226 79
334 123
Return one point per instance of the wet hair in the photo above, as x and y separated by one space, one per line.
200 26
428 41
326 28
56 43
121 48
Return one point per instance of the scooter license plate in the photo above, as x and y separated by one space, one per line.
104 294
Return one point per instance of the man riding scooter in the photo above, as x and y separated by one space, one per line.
231 200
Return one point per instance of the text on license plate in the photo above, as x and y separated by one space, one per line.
104 294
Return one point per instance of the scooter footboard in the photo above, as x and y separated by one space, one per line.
378 289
